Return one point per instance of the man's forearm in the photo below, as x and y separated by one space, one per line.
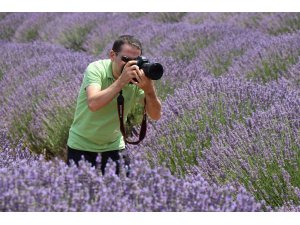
103 97
153 105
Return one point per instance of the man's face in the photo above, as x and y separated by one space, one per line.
119 59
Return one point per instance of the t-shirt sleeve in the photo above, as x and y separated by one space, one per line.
92 76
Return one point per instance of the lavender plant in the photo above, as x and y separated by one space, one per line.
105 32
270 60
39 106
293 75
262 154
10 23
197 113
281 23
3 15
167 17
220 56
70 30
30 29
39 185
269 23
13 54
205 17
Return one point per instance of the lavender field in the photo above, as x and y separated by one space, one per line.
229 136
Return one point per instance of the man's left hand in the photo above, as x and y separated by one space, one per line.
143 82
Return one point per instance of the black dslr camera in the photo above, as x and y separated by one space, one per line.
153 71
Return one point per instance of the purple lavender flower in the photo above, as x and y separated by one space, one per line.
38 185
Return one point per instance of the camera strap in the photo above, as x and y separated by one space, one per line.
142 135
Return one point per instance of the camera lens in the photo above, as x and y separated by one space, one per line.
154 71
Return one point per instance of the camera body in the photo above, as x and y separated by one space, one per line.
153 71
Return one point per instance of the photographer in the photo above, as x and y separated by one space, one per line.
96 125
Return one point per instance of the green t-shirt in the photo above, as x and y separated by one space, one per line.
100 131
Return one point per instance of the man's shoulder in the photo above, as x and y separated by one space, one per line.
102 64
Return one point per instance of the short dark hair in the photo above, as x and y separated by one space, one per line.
126 39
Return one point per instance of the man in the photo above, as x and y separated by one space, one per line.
96 127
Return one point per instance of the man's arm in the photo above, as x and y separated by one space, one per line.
97 98
153 104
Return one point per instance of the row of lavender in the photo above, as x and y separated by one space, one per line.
39 89
218 43
229 130
91 31
30 183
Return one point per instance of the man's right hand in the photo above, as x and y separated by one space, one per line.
129 73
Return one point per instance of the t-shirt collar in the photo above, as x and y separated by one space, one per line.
110 75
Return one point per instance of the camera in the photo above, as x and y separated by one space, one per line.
153 71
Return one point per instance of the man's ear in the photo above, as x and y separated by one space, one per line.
112 55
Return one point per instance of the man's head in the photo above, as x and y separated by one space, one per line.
126 47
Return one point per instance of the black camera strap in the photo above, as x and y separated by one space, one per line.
142 135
